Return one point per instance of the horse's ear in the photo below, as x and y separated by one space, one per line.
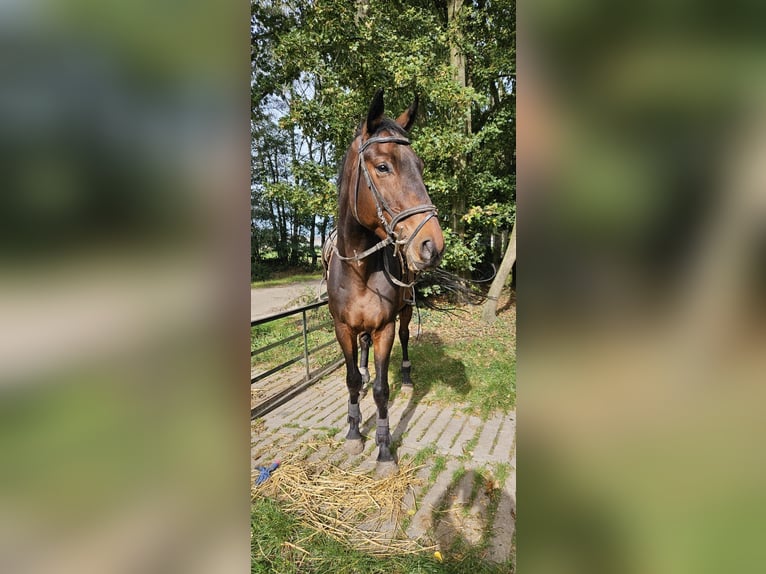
375 113
408 116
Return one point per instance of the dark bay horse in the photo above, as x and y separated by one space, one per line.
387 231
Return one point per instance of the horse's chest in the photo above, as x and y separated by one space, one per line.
377 309
367 310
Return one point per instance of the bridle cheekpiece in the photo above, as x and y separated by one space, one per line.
381 207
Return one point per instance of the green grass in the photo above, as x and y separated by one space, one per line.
458 475
479 478
287 279
460 360
281 544
469 446
502 471
460 549
437 466
268 333
424 454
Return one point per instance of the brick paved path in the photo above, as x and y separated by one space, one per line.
450 504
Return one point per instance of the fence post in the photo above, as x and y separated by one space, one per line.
306 345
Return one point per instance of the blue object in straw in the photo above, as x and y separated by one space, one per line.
264 472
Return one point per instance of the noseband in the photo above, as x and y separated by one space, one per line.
381 206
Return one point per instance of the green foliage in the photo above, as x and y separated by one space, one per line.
461 255
491 217
259 271
316 65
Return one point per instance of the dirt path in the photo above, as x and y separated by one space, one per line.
267 300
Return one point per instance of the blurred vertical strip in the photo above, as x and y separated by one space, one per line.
642 201
124 286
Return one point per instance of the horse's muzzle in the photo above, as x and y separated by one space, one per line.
429 254
425 245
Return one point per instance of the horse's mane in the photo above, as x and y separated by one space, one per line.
440 290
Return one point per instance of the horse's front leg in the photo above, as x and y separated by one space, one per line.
383 340
347 340
404 337
364 344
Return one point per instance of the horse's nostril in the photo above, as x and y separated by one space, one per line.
428 251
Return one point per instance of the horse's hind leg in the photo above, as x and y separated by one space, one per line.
383 340
347 340
404 337
364 344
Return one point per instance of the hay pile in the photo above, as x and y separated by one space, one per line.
360 510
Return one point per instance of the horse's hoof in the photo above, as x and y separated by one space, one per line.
385 469
406 389
353 445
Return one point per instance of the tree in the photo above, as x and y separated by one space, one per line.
488 313
317 62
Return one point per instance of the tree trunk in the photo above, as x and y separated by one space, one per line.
295 253
283 247
458 65
456 55
323 230
488 313
502 242
255 244
312 238
362 7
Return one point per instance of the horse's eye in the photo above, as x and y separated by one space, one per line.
382 168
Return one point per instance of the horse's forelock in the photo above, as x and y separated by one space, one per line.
386 124
390 125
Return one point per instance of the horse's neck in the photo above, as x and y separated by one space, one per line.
352 236
354 239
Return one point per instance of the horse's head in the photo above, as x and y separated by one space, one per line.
390 198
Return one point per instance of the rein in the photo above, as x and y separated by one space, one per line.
381 206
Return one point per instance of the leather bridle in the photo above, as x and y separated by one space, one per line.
381 207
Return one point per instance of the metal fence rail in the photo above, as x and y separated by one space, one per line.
308 378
